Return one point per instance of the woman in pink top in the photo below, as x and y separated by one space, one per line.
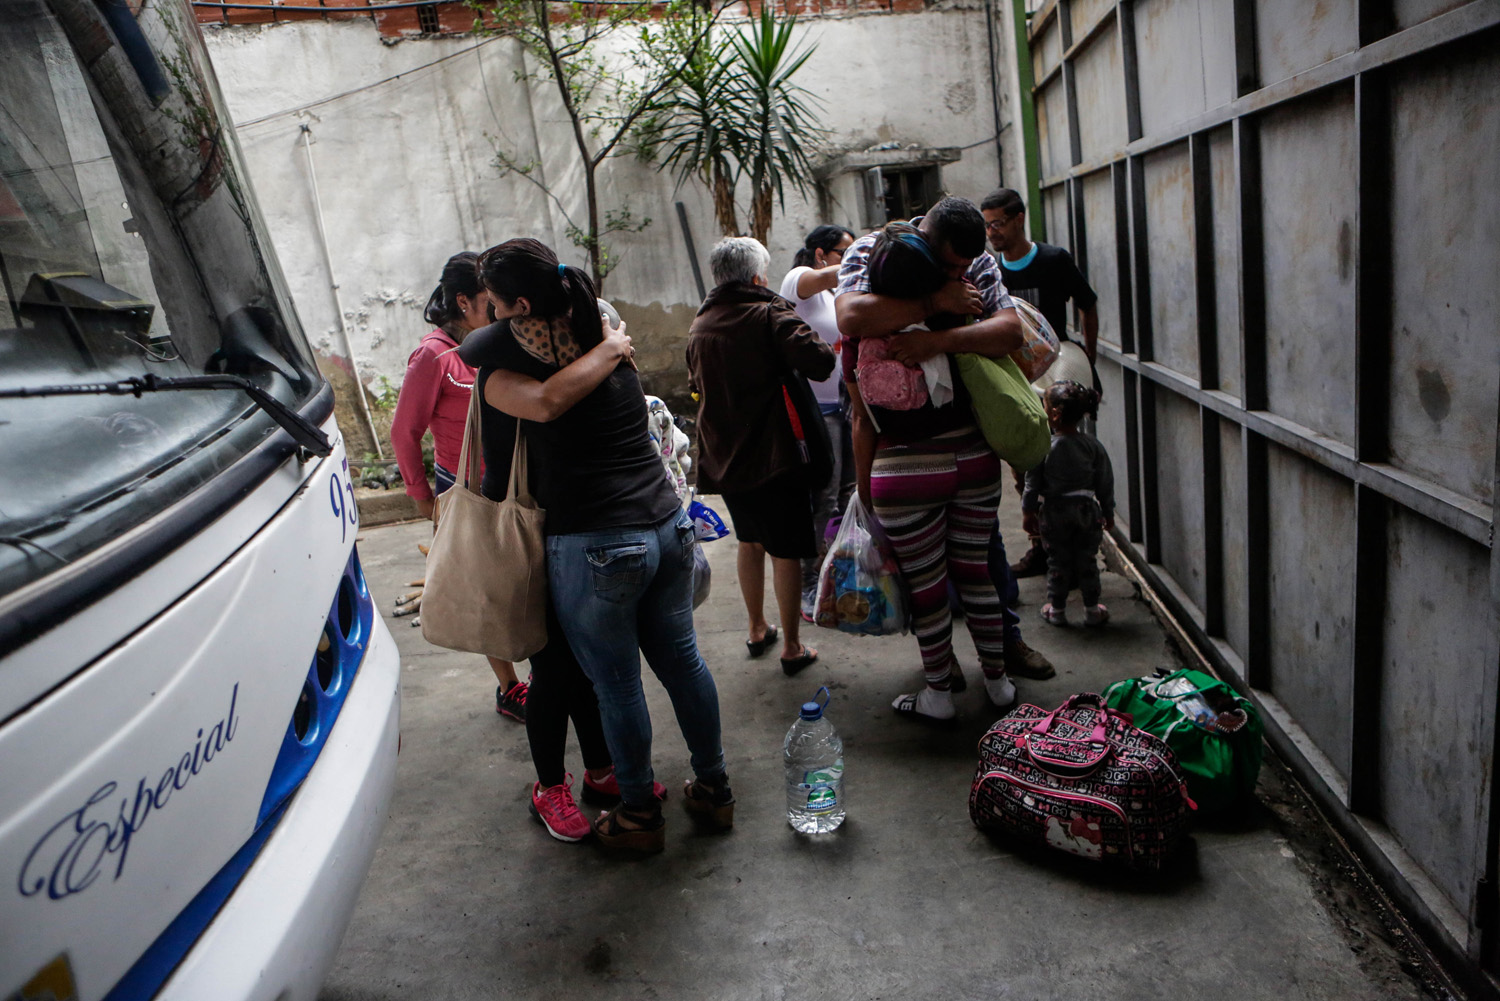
435 396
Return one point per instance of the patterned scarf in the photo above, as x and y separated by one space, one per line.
548 340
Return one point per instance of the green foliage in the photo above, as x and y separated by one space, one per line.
603 98
384 398
734 114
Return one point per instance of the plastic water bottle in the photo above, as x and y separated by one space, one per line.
814 756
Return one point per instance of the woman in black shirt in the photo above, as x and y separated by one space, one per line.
619 545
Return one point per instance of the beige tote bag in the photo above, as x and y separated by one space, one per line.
487 567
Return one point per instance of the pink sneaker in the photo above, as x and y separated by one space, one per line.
555 808
1095 615
1055 614
606 791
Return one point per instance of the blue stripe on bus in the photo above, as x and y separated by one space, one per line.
156 964
348 628
347 632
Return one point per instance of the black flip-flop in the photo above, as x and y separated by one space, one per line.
791 666
760 646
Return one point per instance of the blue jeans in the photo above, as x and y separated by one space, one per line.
620 593
1005 583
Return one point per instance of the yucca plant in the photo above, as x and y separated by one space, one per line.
686 132
734 114
775 149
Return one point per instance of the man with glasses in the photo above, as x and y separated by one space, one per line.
1047 277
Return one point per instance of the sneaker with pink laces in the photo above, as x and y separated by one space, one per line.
512 701
1095 615
606 791
1057 615
555 808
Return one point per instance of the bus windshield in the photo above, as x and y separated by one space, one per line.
129 245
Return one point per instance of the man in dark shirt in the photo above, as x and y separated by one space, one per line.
1040 273
1046 277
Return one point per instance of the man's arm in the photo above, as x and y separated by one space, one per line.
994 337
866 314
1090 331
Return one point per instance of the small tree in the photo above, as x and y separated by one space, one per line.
775 150
732 114
603 100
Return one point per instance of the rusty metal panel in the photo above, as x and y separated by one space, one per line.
1179 473
1100 245
1111 433
1170 242
1226 222
1410 12
1312 599
1308 197
1052 128
1186 60
1293 35
1445 356
1233 491
1101 97
1433 753
1085 14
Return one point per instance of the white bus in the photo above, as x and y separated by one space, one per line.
198 703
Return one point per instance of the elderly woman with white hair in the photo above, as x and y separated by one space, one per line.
745 345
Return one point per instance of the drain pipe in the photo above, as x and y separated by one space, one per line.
333 286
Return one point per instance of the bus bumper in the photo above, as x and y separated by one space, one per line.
278 933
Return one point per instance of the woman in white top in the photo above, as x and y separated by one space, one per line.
809 286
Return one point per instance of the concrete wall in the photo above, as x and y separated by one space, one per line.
403 137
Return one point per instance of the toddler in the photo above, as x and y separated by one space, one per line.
1074 489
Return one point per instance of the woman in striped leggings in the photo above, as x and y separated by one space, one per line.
926 473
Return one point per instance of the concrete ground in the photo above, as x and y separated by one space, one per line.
469 898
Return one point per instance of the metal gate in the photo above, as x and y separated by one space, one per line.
1290 213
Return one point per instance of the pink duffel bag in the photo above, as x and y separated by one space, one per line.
1082 779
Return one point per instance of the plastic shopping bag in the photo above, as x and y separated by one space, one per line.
702 575
859 587
1039 346
707 522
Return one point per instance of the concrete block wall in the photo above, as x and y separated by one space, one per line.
403 133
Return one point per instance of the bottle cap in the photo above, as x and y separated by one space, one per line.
814 709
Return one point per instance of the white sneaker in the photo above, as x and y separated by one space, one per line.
1095 615
1001 690
928 702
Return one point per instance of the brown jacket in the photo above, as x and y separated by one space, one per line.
744 339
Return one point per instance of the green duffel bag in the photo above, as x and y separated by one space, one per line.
1006 408
1215 732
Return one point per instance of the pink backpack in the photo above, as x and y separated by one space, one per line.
886 382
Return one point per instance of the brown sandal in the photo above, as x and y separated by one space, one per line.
712 806
647 836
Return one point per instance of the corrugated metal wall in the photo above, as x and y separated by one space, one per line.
1291 213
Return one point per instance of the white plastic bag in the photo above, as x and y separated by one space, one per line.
860 588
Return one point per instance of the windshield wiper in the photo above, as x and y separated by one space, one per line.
303 431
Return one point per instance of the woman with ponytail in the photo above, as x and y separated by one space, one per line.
619 545
435 396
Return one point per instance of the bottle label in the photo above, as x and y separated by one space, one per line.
823 788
